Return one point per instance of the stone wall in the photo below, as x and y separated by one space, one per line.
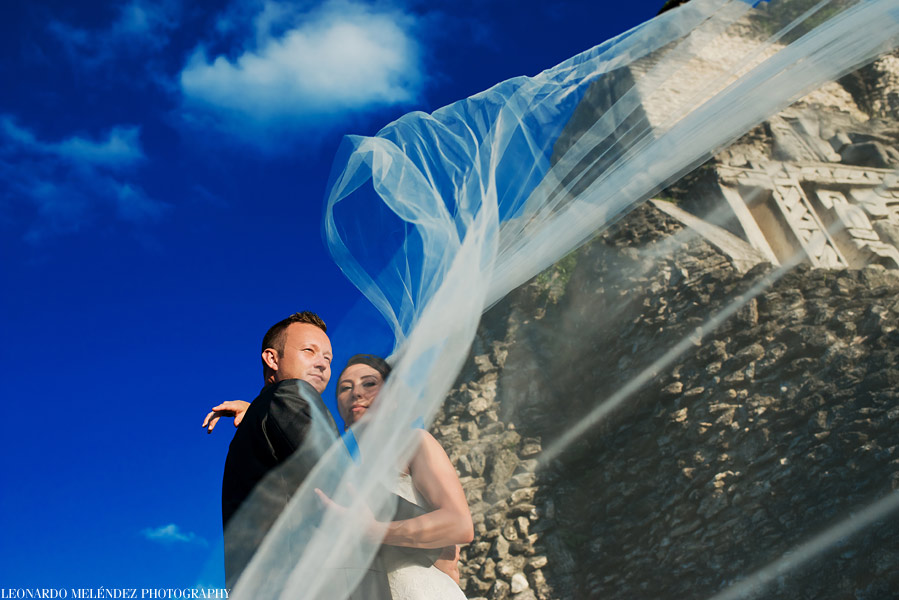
767 430
760 434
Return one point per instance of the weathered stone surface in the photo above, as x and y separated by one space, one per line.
500 590
522 480
868 154
475 585
477 460
509 566
766 430
801 405
519 583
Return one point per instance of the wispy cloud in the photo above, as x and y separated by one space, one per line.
145 20
301 71
172 534
59 187
120 149
139 26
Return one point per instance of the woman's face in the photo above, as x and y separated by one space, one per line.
356 390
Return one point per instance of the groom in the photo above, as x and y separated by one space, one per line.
288 414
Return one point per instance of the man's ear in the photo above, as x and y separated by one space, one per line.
270 358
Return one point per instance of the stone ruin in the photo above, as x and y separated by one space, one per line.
812 179
772 426
819 177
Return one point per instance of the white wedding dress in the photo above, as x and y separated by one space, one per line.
410 580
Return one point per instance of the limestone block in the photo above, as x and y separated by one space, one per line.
519 583
852 216
500 590
886 252
887 231
872 202
868 154
828 198
488 570
840 141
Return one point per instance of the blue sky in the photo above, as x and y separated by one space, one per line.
162 172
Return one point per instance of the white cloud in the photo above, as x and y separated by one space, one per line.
171 533
66 185
306 70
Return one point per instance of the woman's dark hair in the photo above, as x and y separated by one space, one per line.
375 362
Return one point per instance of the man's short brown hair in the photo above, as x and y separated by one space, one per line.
275 337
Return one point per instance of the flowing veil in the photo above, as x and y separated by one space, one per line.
439 216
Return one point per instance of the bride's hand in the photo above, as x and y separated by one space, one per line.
327 503
374 529
231 408
449 562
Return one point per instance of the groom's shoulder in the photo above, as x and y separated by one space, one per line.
296 387
291 394
280 409
286 391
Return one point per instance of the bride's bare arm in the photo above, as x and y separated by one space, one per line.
434 476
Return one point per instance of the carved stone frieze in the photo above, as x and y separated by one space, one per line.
839 215
858 229
805 224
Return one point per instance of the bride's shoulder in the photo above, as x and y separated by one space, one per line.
425 439
429 449
424 434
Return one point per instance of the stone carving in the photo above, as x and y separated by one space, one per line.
775 181
806 226
856 224
838 225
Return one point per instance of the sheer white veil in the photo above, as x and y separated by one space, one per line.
439 216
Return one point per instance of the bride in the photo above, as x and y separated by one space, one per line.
429 481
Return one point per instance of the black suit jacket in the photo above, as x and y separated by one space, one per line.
276 423
284 417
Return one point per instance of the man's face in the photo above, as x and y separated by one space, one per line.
307 356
